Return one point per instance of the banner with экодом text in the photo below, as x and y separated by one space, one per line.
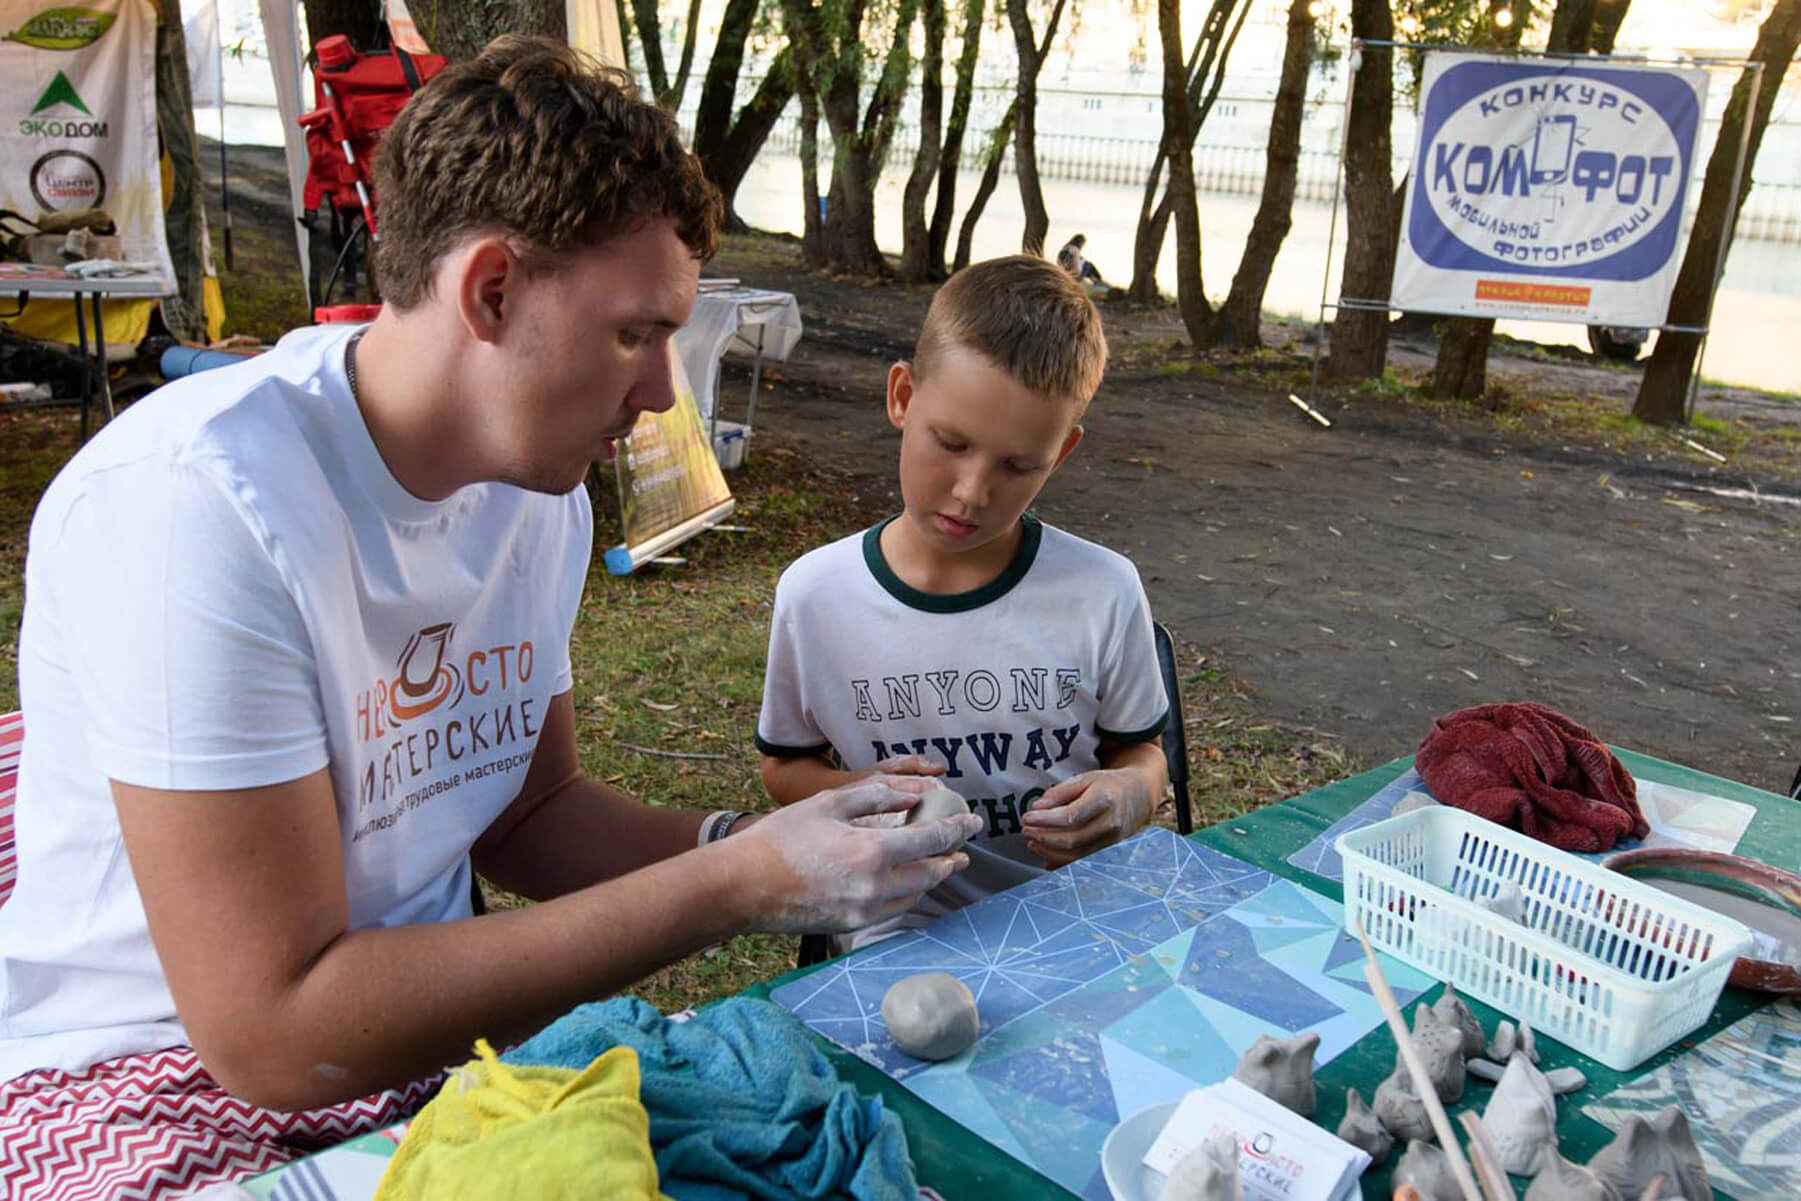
1548 189
78 116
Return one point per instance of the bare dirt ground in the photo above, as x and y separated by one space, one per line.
1407 561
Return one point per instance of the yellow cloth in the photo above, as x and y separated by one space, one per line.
529 1134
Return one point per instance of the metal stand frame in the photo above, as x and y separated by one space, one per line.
1385 305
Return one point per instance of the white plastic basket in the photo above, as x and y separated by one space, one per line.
728 444
1606 964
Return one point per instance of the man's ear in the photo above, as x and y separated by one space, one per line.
486 278
900 393
1069 445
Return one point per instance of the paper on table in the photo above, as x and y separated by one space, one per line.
1282 1156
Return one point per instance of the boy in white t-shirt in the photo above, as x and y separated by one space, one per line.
295 657
963 638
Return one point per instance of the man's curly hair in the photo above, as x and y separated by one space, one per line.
533 140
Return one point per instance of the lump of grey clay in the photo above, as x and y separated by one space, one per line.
936 805
1399 1108
1282 1070
1521 1117
1428 1169
1506 1041
1565 1080
1208 1173
931 1015
1452 1011
1413 800
1363 1130
1484 1069
1560 1180
1642 1150
1441 1051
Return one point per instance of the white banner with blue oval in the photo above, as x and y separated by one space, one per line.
1548 189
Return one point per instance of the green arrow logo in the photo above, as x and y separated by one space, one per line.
60 91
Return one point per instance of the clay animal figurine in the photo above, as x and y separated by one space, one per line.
1642 1150
1485 1069
1208 1173
931 1015
1428 1169
1451 1011
939 803
1363 1130
1282 1070
1399 1108
1525 1043
1441 1050
1507 901
1560 1180
1413 800
1565 1080
1521 1117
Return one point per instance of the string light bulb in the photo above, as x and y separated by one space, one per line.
1318 9
1503 18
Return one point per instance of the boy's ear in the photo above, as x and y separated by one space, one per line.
1069 445
900 393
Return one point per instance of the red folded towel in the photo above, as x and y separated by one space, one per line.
1532 769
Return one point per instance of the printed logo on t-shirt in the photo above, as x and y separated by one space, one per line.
445 718
978 742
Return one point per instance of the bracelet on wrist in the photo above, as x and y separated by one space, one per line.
716 826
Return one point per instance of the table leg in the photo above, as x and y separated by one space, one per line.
106 379
87 364
756 382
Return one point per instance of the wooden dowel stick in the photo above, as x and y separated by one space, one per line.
1422 1083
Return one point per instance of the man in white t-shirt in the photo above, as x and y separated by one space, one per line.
295 651
964 638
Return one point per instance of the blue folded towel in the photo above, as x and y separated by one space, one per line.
741 1102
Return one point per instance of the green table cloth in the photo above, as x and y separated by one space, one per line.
961 1164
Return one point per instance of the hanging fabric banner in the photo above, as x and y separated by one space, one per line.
78 97
1548 189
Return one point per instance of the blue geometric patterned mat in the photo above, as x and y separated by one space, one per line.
1124 980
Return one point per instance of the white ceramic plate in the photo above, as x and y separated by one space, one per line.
1122 1155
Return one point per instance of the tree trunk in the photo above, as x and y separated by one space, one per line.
1204 72
755 122
1025 140
1609 16
812 241
916 247
459 29
944 207
719 87
1147 243
358 20
1460 369
1242 315
991 174
1665 385
650 43
184 221
1197 315
624 17
1360 337
686 66
830 56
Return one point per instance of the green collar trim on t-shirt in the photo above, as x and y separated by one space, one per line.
1032 533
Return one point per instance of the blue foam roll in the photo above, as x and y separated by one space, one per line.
178 361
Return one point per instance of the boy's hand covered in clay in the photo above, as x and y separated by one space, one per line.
1083 814
821 874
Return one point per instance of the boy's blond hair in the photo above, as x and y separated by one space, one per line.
1025 315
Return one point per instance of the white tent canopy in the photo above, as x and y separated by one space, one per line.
593 27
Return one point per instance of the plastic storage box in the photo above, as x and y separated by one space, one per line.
1608 965
728 443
